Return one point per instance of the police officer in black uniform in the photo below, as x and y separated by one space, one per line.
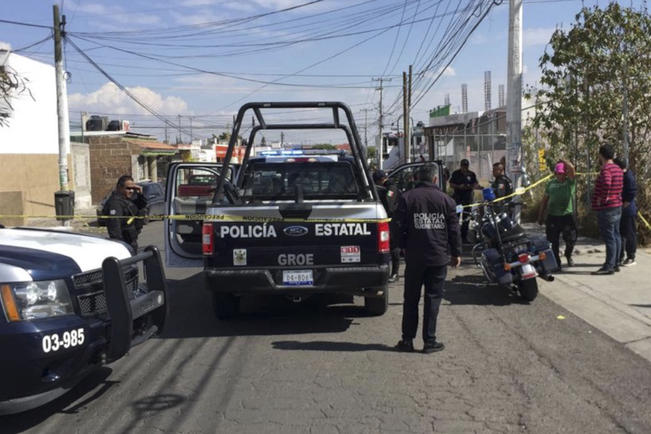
502 184
463 182
429 229
126 201
390 195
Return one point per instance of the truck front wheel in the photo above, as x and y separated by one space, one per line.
377 306
226 305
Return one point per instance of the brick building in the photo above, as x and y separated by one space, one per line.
113 154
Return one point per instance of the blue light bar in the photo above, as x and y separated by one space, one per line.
281 153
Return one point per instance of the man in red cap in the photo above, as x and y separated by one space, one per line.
559 199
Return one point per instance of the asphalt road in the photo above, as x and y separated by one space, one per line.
279 367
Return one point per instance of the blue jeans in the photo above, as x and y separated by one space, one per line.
608 220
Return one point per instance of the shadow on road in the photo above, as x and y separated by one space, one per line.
97 379
474 289
192 315
330 346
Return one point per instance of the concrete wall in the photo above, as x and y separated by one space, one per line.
80 174
11 204
110 158
36 175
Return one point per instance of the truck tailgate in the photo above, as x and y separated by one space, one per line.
260 237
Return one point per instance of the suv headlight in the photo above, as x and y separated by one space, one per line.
33 300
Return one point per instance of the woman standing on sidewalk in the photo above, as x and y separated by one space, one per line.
559 198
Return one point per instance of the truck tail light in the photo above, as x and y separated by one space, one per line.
207 239
383 237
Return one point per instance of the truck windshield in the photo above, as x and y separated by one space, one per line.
317 180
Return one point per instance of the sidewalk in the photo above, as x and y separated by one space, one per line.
86 223
617 304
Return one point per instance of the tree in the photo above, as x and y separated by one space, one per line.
596 87
11 85
325 146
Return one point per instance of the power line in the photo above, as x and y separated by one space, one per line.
463 43
18 23
221 74
47 38
123 88
203 25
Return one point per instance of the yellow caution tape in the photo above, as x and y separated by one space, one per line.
522 190
518 192
233 218
648 226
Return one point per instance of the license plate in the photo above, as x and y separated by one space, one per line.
298 278
528 271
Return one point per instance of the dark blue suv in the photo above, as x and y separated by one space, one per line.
69 303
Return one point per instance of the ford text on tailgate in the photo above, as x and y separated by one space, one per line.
293 222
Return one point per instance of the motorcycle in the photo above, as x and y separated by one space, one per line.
507 255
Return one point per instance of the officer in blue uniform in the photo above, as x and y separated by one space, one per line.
429 229
463 182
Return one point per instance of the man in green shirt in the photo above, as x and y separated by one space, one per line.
559 200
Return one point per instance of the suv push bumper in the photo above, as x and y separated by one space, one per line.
32 378
360 280
124 310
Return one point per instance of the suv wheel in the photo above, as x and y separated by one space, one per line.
377 306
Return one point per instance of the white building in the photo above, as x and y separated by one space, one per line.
29 146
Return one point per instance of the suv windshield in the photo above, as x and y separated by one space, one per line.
317 180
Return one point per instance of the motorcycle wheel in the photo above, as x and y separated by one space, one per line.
528 289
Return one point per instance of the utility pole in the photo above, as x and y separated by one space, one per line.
64 199
380 121
408 132
365 127
179 127
626 144
62 99
405 120
514 99
166 139
191 135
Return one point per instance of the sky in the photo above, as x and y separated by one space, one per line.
194 62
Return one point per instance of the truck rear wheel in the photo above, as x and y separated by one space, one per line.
377 306
226 305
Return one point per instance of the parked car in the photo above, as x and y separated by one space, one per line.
154 192
70 303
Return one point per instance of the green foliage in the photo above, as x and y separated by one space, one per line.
326 146
592 74
11 85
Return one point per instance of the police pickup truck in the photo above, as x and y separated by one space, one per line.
291 222
68 303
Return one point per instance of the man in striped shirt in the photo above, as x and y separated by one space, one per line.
607 202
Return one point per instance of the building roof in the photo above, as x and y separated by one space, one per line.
152 147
